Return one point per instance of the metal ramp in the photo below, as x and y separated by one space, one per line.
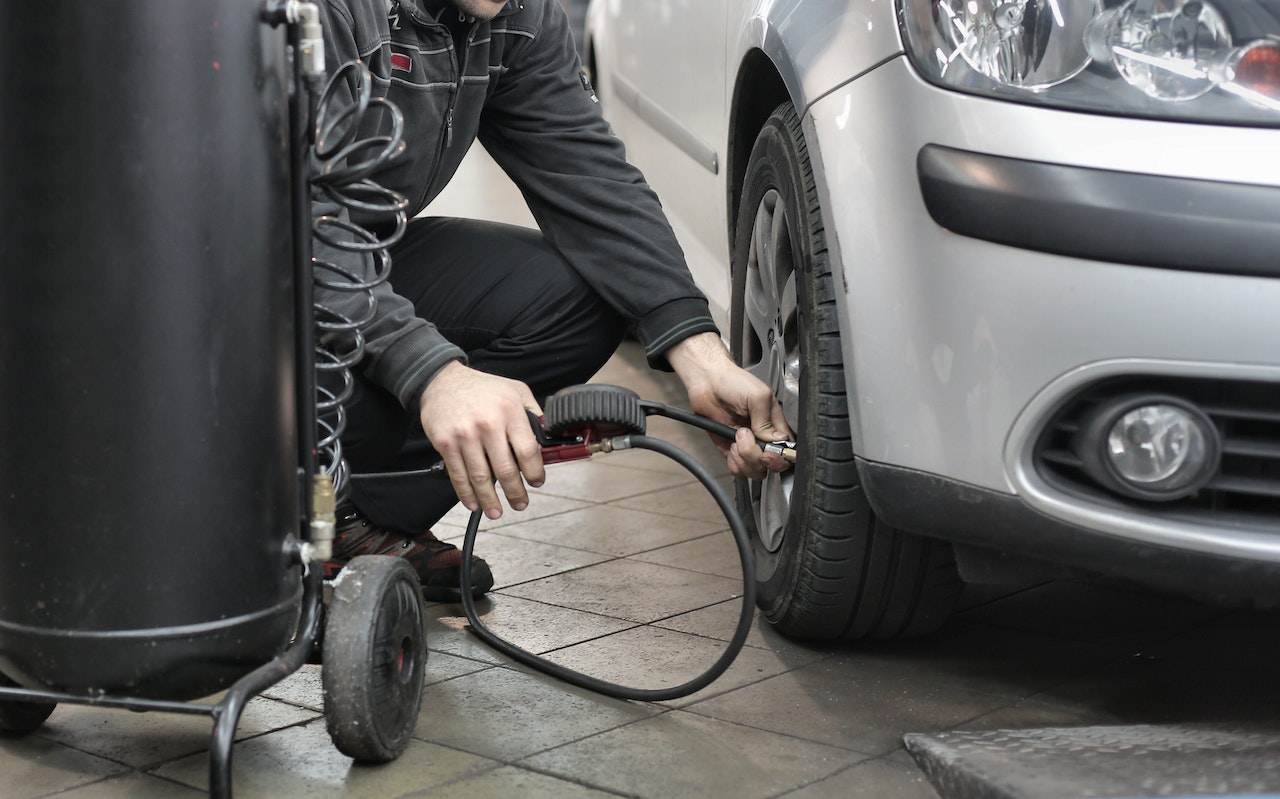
1114 761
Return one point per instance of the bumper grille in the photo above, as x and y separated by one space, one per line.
1246 488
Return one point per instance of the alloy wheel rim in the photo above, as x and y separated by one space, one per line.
771 348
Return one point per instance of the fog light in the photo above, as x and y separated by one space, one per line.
1149 447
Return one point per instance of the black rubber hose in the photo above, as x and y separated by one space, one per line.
651 408
602 686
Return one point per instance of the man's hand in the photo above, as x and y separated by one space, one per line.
478 423
720 389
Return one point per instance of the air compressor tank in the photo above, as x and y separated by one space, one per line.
148 463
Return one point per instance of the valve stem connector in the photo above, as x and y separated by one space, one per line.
609 444
785 449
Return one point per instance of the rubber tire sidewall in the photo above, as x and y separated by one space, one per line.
785 596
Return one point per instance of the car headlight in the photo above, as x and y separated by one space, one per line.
1208 60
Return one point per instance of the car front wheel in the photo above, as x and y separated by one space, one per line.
826 567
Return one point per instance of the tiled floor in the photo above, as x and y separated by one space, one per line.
623 567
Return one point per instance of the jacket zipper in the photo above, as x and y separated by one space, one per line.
459 67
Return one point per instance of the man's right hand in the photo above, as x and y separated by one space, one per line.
479 425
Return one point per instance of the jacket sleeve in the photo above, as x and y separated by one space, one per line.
402 351
542 124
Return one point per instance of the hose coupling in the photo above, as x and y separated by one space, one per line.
609 444
785 449
324 519
311 38
310 32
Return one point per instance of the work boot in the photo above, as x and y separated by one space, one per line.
439 565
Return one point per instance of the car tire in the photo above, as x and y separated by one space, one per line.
826 566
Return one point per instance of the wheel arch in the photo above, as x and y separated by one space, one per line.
758 89
766 78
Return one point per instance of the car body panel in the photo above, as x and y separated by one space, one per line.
682 94
816 45
957 350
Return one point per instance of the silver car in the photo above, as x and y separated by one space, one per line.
1011 266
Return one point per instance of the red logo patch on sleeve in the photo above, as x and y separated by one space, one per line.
402 62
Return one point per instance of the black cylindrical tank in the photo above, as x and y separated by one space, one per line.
147 432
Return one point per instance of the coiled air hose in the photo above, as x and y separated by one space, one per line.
600 418
341 170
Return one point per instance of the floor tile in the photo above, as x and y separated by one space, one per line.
448 636
894 776
144 739
631 590
304 688
978 657
35 766
509 713
598 480
721 620
842 703
685 755
540 504
711 554
534 626
302 761
607 530
515 559
132 786
514 782
657 658
1095 612
687 501
1033 713
1210 686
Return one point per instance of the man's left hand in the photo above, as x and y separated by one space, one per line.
721 390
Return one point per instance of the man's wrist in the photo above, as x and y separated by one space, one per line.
422 390
698 354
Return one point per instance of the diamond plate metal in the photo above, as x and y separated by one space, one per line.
1113 762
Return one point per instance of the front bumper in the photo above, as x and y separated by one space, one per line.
1143 220
994 520
1045 248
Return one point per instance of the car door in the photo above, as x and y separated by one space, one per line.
667 100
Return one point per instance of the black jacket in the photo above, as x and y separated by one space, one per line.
516 84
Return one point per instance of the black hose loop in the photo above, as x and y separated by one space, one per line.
745 618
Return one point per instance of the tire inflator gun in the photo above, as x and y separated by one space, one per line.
579 422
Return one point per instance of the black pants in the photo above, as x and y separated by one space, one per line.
508 300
